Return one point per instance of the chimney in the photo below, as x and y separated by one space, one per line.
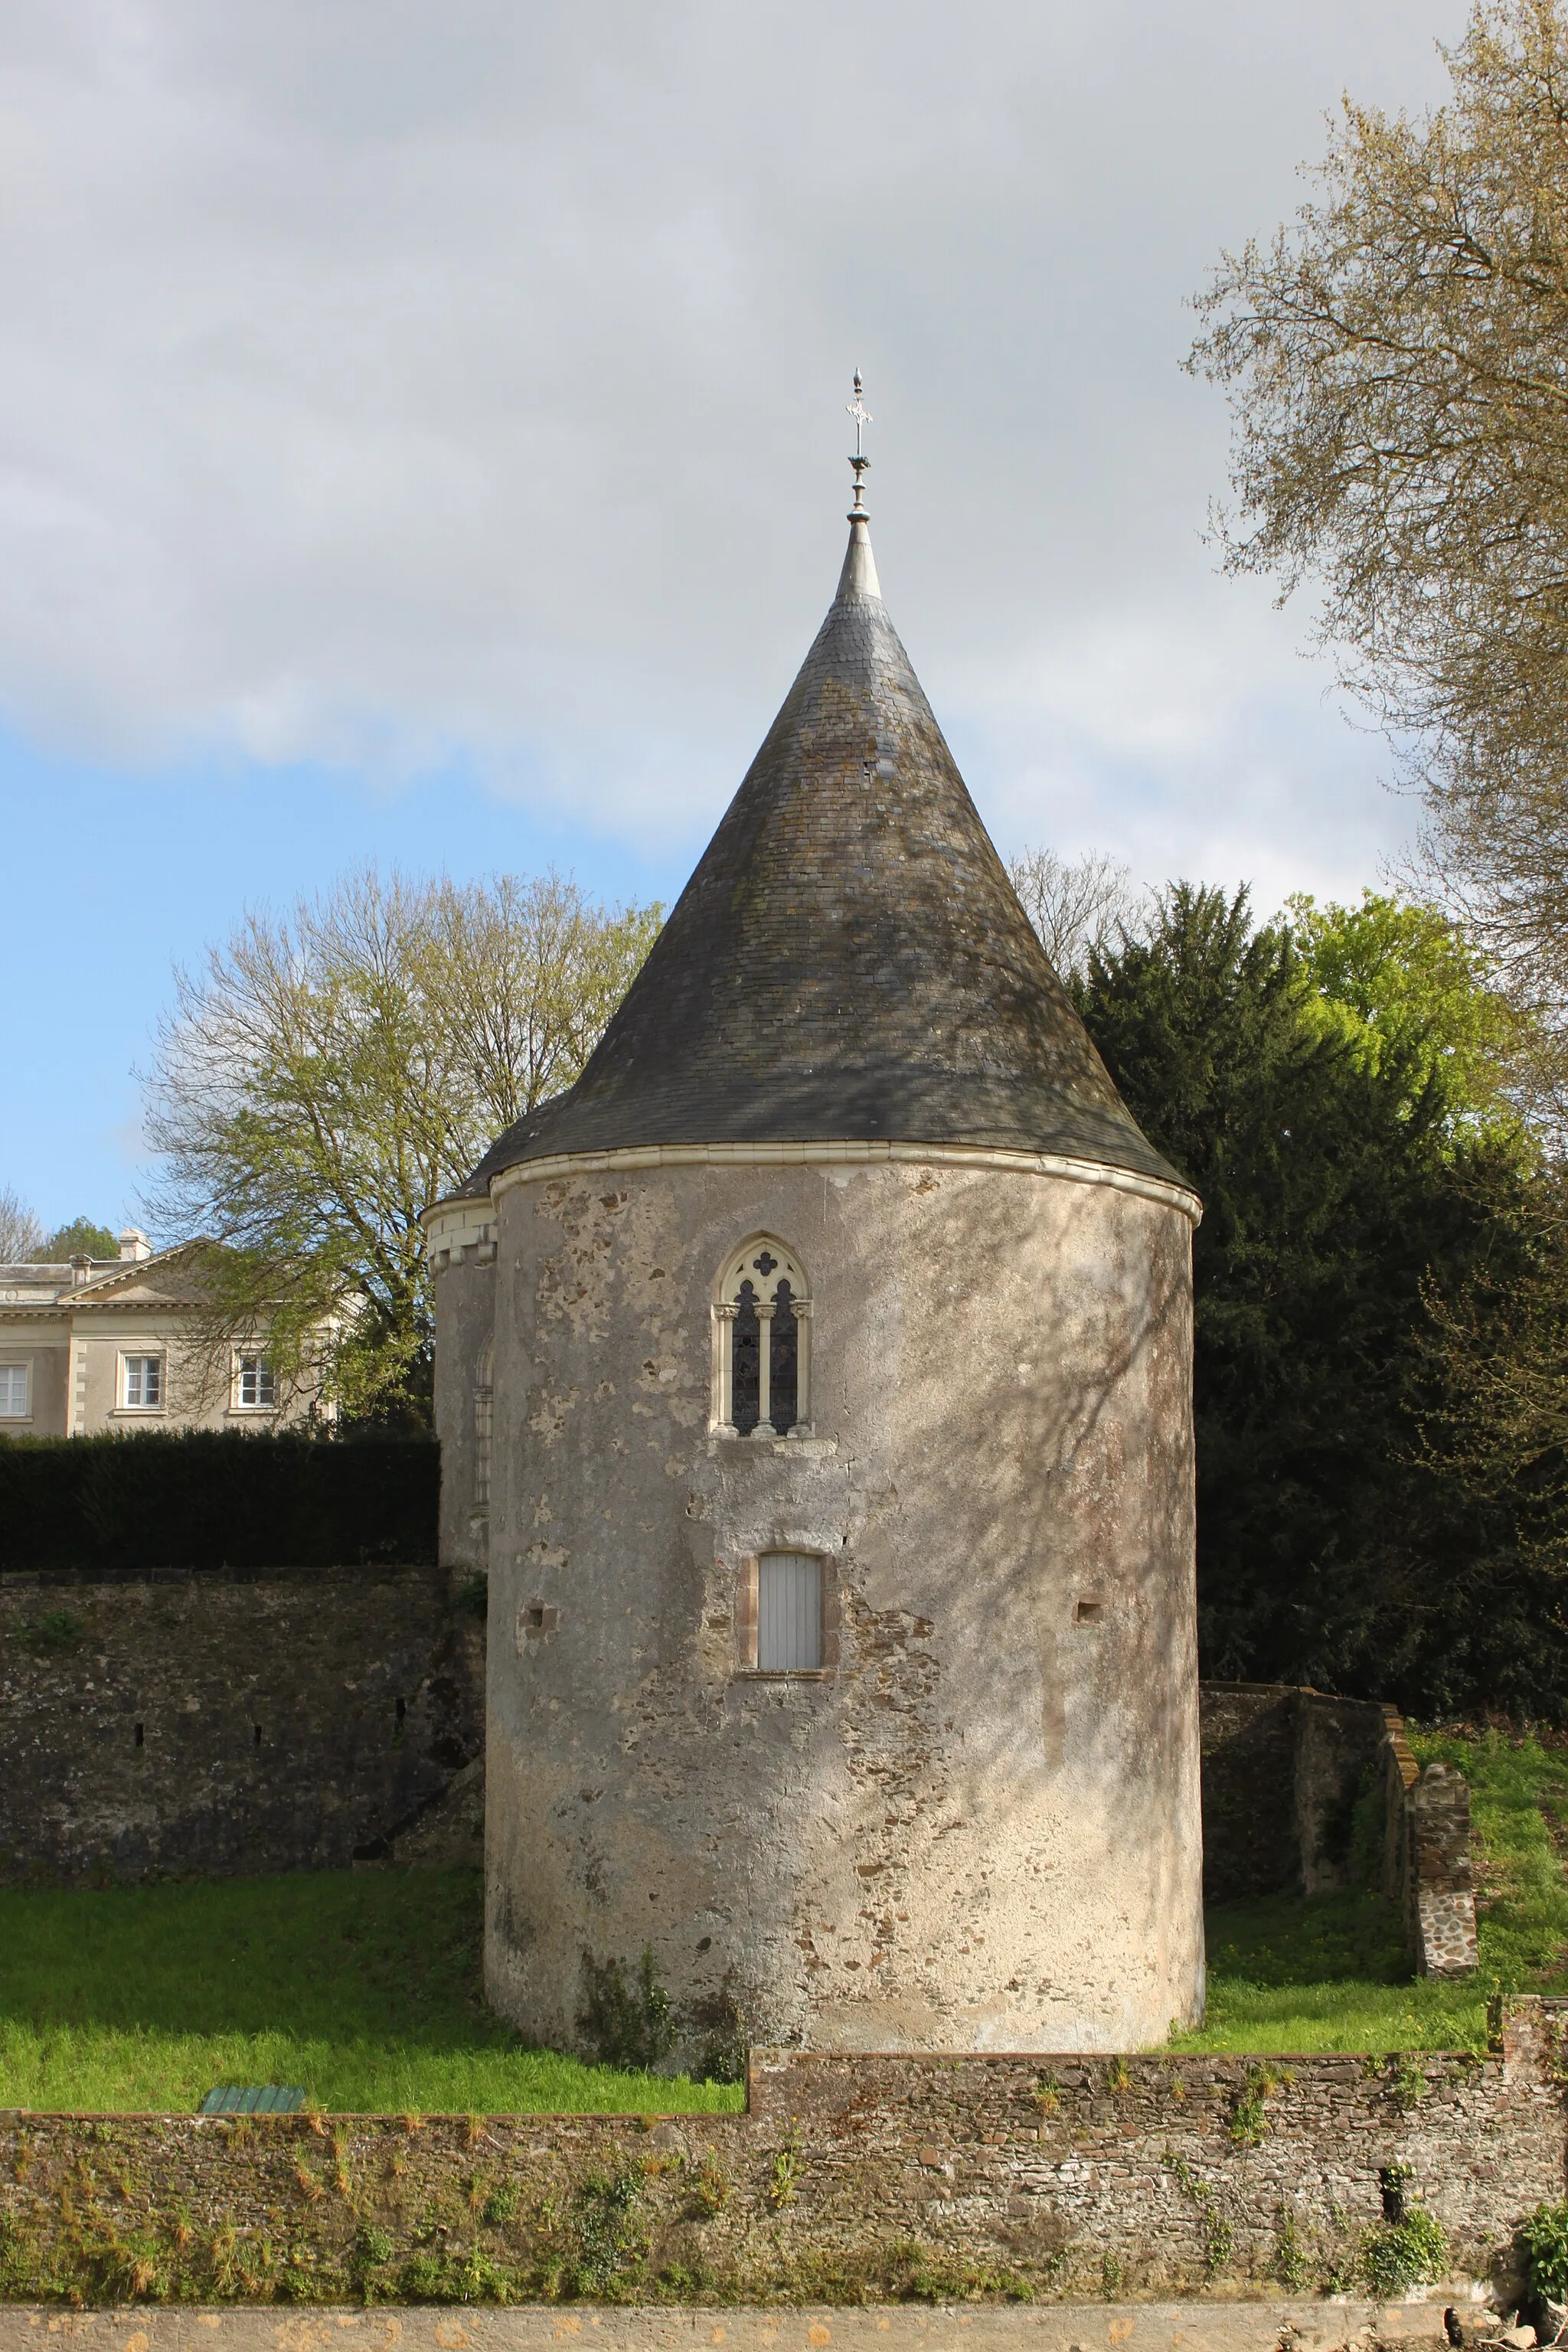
81 1271
134 1245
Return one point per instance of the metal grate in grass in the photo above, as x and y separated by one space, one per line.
252 2099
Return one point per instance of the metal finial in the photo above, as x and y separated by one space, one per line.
863 417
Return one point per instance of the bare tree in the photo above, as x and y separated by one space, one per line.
1395 362
1073 903
321 1079
21 1234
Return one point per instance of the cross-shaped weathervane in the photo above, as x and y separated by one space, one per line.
862 416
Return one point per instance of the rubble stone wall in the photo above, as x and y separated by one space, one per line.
849 2176
213 1723
1283 1770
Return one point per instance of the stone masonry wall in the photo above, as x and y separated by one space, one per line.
216 1722
1282 1772
1427 1857
849 2176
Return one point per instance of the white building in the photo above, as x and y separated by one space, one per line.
127 1343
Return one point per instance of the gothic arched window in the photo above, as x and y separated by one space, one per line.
762 1343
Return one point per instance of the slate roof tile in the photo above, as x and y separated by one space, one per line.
848 962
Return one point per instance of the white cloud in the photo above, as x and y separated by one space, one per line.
396 383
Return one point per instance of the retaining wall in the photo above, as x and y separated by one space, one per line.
228 1722
848 2176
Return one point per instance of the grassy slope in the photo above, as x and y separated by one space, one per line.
1286 1974
360 1986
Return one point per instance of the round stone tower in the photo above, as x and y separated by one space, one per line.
837 1450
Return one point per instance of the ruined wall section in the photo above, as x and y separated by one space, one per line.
216 1722
1284 1770
977 1826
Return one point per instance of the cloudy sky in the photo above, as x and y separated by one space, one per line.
422 437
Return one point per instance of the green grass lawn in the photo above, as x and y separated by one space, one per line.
363 1986
360 1986
1290 1976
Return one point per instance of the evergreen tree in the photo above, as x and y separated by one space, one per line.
1342 1189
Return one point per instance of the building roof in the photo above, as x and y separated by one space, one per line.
158 1278
848 962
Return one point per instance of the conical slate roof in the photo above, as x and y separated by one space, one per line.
848 962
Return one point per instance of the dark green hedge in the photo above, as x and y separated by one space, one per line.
216 1498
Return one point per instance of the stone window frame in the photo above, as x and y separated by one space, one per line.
790 1268
748 1577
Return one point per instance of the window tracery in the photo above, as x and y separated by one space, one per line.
762 1343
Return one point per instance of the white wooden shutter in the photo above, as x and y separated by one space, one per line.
789 1611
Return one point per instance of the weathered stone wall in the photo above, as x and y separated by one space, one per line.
1252 1841
462 1252
978 1825
1282 1772
849 2176
219 1723
1282 1768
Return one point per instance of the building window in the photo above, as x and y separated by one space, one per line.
13 1392
762 1343
789 1612
255 1386
142 1389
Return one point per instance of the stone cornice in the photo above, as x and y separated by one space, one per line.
845 1155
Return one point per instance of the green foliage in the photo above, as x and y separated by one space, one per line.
624 2024
710 2188
1407 2081
364 1986
1544 2234
81 1238
1248 2126
1407 994
217 1499
1404 2254
609 2237
725 2040
783 2180
1219 2242
322 1078
1342 1185
1290 2255
57 1634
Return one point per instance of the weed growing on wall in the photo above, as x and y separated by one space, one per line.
609 2237
1407 2081
1405 2253
783 2180
1248 2126
1290 2255
624 2024
57 1634
710 2189
726 2043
